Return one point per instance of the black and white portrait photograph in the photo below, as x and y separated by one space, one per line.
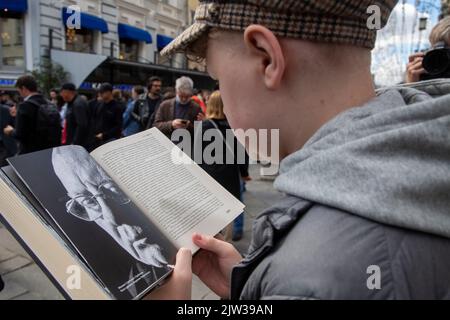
128 253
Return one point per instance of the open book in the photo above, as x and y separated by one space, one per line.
109 224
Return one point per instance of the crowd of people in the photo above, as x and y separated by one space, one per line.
110 115
65 117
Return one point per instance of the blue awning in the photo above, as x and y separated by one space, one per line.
88 21
14 5
132 33
163 41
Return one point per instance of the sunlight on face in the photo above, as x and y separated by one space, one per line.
229 63
240 73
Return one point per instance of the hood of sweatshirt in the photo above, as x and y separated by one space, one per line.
387 161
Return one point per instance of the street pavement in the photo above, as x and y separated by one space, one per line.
24 280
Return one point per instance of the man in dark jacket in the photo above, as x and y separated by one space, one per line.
147 105
77 120
178 113
26 130
107 117
365 173
8 143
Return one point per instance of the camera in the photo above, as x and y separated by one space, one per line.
437 62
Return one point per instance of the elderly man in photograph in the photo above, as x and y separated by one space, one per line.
180 112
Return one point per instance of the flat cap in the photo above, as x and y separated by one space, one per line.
332 21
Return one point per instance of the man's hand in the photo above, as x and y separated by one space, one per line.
201 116
213 264
414 69
179 285
247 178
8 130
179 124
99 136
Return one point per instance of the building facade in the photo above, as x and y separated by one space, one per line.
445 11
94 40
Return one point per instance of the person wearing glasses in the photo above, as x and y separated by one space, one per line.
180 112
93 196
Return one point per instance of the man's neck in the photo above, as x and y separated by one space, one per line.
321 99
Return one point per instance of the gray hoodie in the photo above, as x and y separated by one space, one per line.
370 188
388 161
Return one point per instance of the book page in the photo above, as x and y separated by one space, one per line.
179 198
98 221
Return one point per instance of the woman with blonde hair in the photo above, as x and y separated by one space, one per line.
228 175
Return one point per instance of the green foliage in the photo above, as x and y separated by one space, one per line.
49 75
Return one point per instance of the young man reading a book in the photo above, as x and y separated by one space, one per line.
365 173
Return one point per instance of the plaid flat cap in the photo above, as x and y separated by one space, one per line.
332 21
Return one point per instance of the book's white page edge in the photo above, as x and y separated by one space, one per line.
47 248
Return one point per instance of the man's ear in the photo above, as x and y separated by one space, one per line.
264 44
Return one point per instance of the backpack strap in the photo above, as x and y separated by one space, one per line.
37 104
221 134
33 103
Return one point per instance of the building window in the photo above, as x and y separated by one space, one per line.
12 52
129 50
80 40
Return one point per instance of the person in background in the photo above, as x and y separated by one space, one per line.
93 106
169 93
126 97
147 105
60 102
77 117
53 94
118 96
62 114
131 125
84 97
8 145
107 117
30 130
440 33
6 97
180 112
95 101
205 95
228 175
238 223
3 96
198 99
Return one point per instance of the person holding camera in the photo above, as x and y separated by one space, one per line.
436 62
